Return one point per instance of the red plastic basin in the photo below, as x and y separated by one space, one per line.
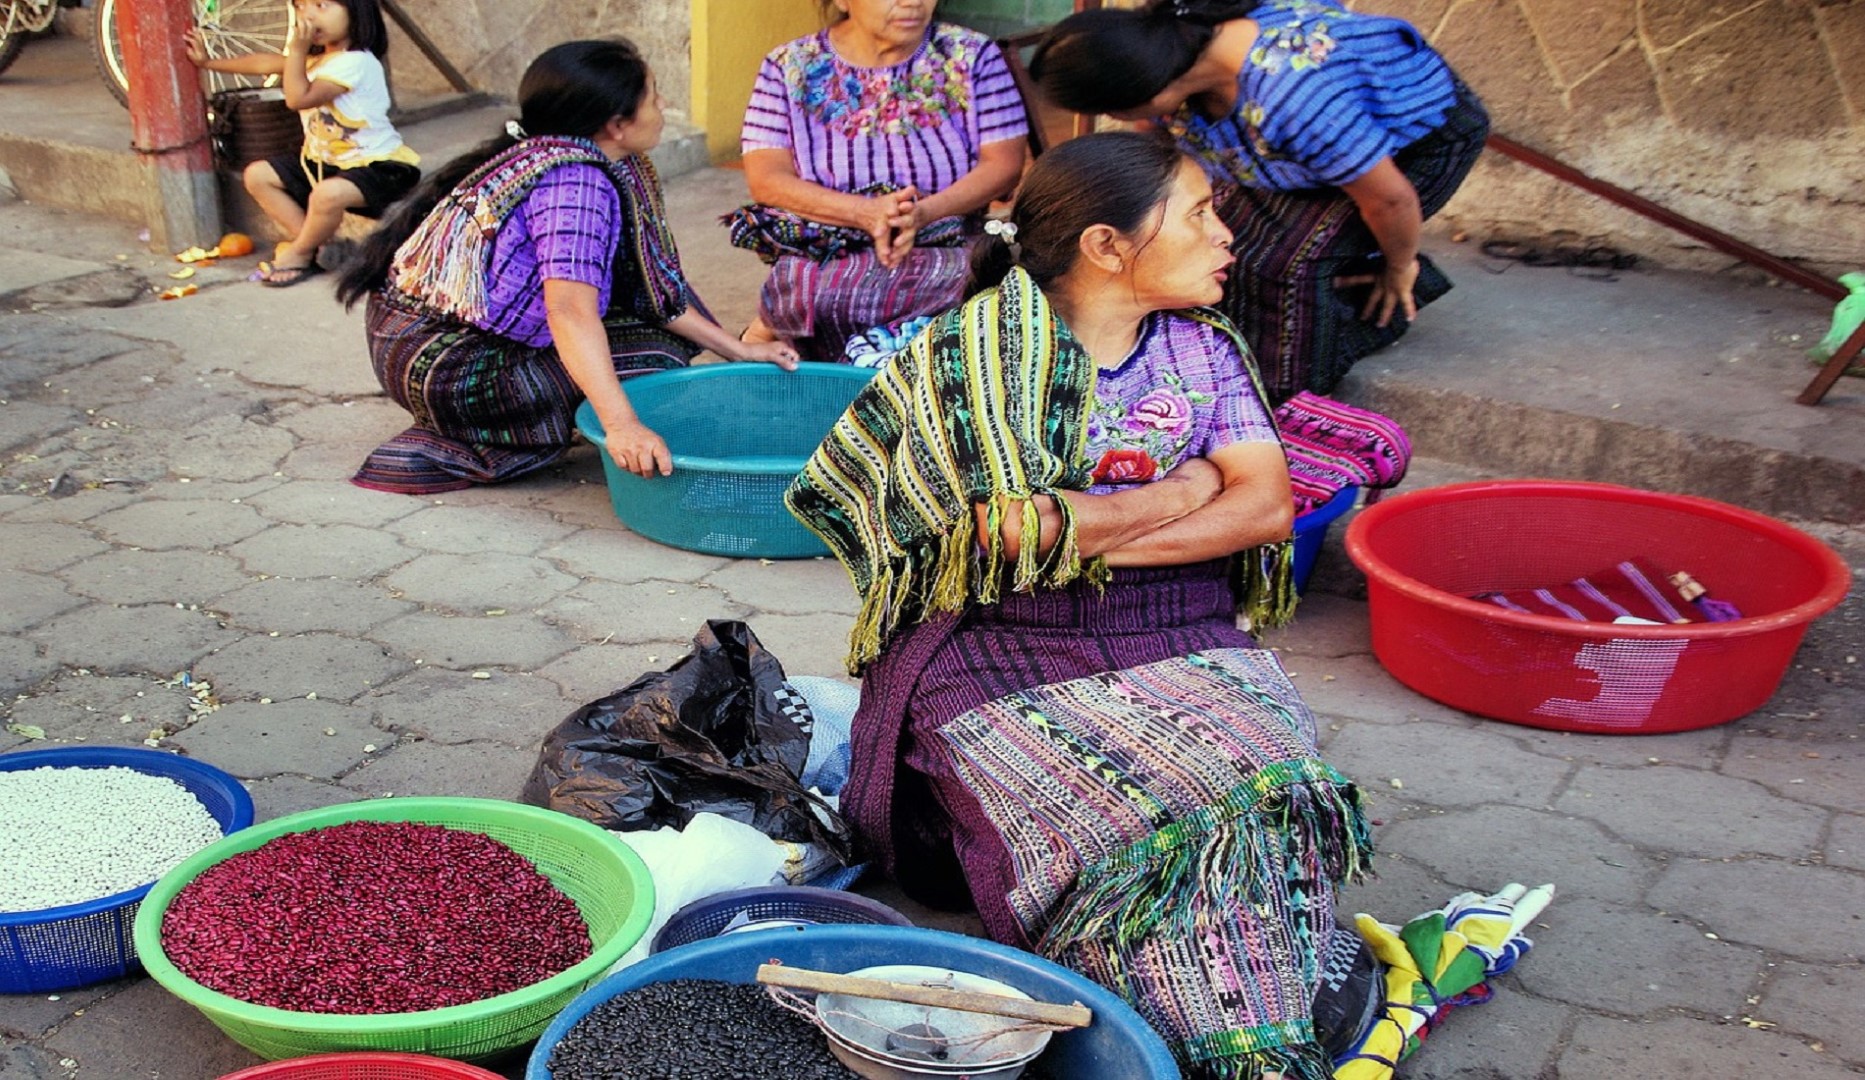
1426 553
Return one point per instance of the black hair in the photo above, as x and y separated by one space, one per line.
570 89
1115 178
1147 47
368 33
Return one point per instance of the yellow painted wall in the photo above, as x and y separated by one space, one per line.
730 38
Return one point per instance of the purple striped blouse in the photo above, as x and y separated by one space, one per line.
567 229
919 122
1181 393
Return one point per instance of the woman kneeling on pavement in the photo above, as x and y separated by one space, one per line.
1042 503
529 274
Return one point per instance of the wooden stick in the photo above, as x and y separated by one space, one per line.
426 44
1834 368
1638 204
823 982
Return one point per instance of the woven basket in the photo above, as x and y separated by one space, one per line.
739 434
608 882
364 1066
79 944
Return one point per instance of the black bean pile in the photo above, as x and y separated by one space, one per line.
694 1029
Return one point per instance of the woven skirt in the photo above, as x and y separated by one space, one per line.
819 306
486 409
1128 786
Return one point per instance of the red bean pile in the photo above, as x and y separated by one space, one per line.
373 917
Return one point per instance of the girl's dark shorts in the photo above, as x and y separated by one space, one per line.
381 182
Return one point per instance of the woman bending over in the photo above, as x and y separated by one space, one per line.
1332 135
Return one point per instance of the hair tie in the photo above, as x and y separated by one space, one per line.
514 129
1005 231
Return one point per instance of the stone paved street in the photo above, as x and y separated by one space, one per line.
173 501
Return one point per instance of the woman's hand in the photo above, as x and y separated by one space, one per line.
883 218
1392 291
906 226
769 352
637 448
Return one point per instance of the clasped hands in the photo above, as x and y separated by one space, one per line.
893 220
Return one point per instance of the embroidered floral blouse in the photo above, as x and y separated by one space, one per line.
1324 94
1182 393
919 122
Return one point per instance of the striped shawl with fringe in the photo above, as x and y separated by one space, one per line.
443 263
990 400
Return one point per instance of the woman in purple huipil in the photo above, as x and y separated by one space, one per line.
532 273
872 149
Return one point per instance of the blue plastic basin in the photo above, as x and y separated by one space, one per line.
739 433
1312 528
1117 1046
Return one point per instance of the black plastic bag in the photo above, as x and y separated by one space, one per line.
1351 995
708 735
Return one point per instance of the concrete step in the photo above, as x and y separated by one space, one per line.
65 141
1658 379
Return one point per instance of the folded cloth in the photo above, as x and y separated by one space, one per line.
1437 962
832 706
1332 445
878 345
1632 589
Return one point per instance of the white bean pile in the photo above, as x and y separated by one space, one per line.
71 835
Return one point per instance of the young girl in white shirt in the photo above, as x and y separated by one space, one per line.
353 159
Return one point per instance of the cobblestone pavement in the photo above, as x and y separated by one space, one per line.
173 500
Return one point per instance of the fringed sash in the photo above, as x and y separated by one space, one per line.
1175 838
443 263
991 400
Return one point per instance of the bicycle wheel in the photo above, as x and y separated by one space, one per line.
19 18
228 28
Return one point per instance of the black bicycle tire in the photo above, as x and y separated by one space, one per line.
103 32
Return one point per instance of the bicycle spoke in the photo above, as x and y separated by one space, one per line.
246 43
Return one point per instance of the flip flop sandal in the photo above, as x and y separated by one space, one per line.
284 277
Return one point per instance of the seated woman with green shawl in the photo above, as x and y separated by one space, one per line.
1042 502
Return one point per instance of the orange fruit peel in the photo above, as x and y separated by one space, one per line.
233 245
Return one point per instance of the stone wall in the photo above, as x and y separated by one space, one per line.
492 41
1746 115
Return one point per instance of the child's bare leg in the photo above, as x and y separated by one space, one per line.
330 199
757 332
263 184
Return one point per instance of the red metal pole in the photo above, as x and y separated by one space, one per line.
168 120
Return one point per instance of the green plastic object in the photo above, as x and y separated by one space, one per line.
607 880
739 434
1848 316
